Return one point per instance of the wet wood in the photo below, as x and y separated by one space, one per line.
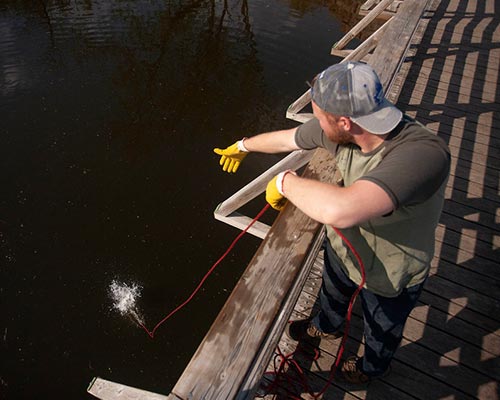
293 161
387 60
387 14
362 51
362 24
220 366
107 390
451 344
226 211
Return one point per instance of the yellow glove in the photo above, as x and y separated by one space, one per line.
274 191
232 156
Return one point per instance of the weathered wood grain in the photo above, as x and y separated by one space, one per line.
451 342
219 366
107 390
387 59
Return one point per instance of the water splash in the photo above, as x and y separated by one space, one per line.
124 298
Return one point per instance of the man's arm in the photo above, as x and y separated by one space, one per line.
272 142
341 207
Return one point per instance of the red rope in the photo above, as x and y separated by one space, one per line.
284 360
212 268
287 360
340 350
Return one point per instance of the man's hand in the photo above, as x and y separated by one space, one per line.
232 156
274 191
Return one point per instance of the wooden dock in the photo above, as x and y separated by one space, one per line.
447 77
451 344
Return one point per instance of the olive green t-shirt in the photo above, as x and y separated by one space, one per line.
412 167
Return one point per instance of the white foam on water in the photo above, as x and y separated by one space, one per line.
124 298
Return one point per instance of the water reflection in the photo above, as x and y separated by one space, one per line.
110 111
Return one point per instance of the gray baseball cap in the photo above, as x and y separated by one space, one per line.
353 89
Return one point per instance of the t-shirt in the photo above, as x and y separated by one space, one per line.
412 167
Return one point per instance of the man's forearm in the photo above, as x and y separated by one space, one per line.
272 142
341 207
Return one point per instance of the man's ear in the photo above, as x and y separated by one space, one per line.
345 123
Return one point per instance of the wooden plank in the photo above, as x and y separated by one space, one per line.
457 64
467 63
317 372
478 153
467 278
463 133
368 4
473 195
425 93
451 373
443 364
474 63
454 108
470 213
468 242
297 105
384 15
472 172
226 354
411 375
469 223
453 308
457 309
464 170
477 337
254 375
481 155
107 390
294 160
473 300
463 128
464 381
454 82
368 45
445 32
473 191
452 27
457 135
361 25
241 222
386 60
442 343
480 265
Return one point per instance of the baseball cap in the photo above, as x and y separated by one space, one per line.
353 89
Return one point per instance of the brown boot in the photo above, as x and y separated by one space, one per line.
304 329
352 373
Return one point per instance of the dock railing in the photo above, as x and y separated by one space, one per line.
233 356
226 211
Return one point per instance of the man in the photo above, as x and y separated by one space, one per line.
394 173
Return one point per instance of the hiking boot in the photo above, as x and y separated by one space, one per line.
304 329
351 372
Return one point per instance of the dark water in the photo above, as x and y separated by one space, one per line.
109 113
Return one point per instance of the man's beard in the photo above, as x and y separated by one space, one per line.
341 137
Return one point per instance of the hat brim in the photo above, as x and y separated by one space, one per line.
382 121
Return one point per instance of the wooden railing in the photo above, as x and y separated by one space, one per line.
232 358
226 211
